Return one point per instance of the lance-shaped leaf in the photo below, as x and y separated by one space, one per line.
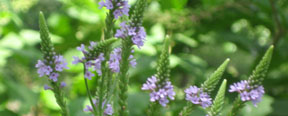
212 81
219 100
261 69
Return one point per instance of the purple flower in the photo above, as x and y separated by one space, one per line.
192 90
46 87
108 4
98 62
138 38
121 7
62 84
88 109
76 60
196 96
154 96
82 48
248 93
43 69
107 111
92 45
163 101
54 77
206 101
150 84
88 75
240 86
160 94
60 63
115 58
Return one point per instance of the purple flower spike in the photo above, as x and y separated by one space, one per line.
196 96
158 93
248 93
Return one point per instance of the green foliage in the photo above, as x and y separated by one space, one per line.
218 102
210 84
261 69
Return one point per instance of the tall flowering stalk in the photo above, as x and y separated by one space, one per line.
52 65
131 33
93 60
159 85
195 95
251 90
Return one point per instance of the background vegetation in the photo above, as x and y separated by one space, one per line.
204 34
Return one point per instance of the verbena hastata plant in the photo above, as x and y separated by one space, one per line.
109 66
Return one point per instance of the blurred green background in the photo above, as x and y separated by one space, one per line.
204 34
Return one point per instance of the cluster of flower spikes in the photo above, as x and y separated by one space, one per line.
108 110
137 34
115 58
159 92
89 61
119 7
247 92
197 96
52 69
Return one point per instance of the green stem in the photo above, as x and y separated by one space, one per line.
88 92
187 109
237 105
101 95
154 109
124 79
60 99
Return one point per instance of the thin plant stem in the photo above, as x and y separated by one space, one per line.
59 98
88 92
